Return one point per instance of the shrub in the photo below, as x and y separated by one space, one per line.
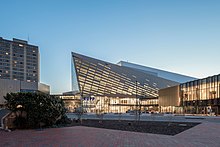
41 109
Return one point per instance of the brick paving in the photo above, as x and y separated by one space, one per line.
205 134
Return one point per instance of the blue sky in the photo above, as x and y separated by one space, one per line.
179 36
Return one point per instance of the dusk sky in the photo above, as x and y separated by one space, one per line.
173 35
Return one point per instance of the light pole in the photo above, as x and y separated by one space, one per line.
136 112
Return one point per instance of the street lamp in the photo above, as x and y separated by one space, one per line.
136 111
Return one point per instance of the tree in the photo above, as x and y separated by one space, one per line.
40 109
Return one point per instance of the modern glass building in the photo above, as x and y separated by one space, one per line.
108 87
201 96
101 86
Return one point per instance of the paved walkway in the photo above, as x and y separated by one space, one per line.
205 134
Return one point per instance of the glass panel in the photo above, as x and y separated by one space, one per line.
75 85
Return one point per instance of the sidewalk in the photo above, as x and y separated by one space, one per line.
205 134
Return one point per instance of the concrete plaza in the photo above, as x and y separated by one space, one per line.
205 134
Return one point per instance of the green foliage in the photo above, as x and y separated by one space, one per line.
41 109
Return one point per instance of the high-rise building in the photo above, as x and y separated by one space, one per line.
19 60
19 68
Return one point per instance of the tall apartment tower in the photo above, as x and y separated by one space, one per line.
19 60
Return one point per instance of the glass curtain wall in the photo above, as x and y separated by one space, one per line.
201 96
117 105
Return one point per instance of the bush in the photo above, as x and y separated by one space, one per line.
41 109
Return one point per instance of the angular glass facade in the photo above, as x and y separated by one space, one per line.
201 96
114 88
96 77
75 84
